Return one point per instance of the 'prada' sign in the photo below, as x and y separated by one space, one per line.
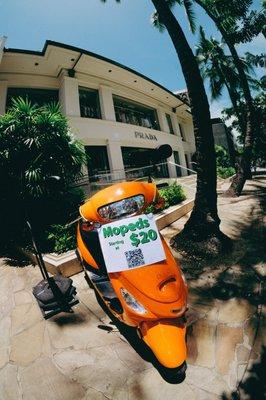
148 136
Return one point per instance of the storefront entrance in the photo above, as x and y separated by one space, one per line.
98 162
142 167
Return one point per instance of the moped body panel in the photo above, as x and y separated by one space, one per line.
167 341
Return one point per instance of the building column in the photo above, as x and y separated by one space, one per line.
115 160
175 124
172 167
162 120
69 96
106 103
182 158
3 94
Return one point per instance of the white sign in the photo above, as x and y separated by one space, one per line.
131 243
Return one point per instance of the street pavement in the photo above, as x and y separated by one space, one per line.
83 355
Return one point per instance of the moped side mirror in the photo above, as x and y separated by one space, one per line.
163 151
154 155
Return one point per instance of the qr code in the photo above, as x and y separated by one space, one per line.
135 258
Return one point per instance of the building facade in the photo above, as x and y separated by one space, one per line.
115 111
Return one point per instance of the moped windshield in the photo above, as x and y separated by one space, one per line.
130 206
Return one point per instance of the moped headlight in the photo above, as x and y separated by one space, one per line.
122 208
132 302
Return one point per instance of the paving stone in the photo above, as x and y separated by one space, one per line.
212 315
242 353
92 394
71 330
42 380
9 386
206 379
203 394
80 330
5 283
27 345
250 328
7 305
47 349
88 298
129 357
192 346
193 315
260 269
227 339
22 297
4 357
241 368
101 337
5 326
204 334
69 360
106 374
235 311
233 380
24 316
149 385
19 283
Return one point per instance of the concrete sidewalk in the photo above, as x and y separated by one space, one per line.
83 356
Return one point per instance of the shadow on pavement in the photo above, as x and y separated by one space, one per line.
254 386
235 275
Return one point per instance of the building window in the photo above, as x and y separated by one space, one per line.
98 163
89 103
137 166
133 113
181 129
177 161
35 96
170 125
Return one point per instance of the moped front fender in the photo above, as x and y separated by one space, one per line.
166 338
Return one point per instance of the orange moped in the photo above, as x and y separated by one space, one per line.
132 269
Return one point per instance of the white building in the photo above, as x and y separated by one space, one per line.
114 110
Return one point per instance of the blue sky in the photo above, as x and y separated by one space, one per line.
122 32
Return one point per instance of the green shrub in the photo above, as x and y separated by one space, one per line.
62 238
224 172
36 145
172 195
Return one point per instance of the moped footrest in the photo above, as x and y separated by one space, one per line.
103 285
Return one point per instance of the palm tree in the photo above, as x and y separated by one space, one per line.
226 15
236 24
204 221
35 144
219 69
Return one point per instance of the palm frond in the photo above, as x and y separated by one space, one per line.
156 22
188 5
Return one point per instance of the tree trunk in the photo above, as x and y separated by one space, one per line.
204 221
244 167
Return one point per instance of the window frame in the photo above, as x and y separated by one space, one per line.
182 133
170 124
98 105
30 89
155 124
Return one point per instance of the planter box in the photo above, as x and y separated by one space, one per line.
173 213
65 264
